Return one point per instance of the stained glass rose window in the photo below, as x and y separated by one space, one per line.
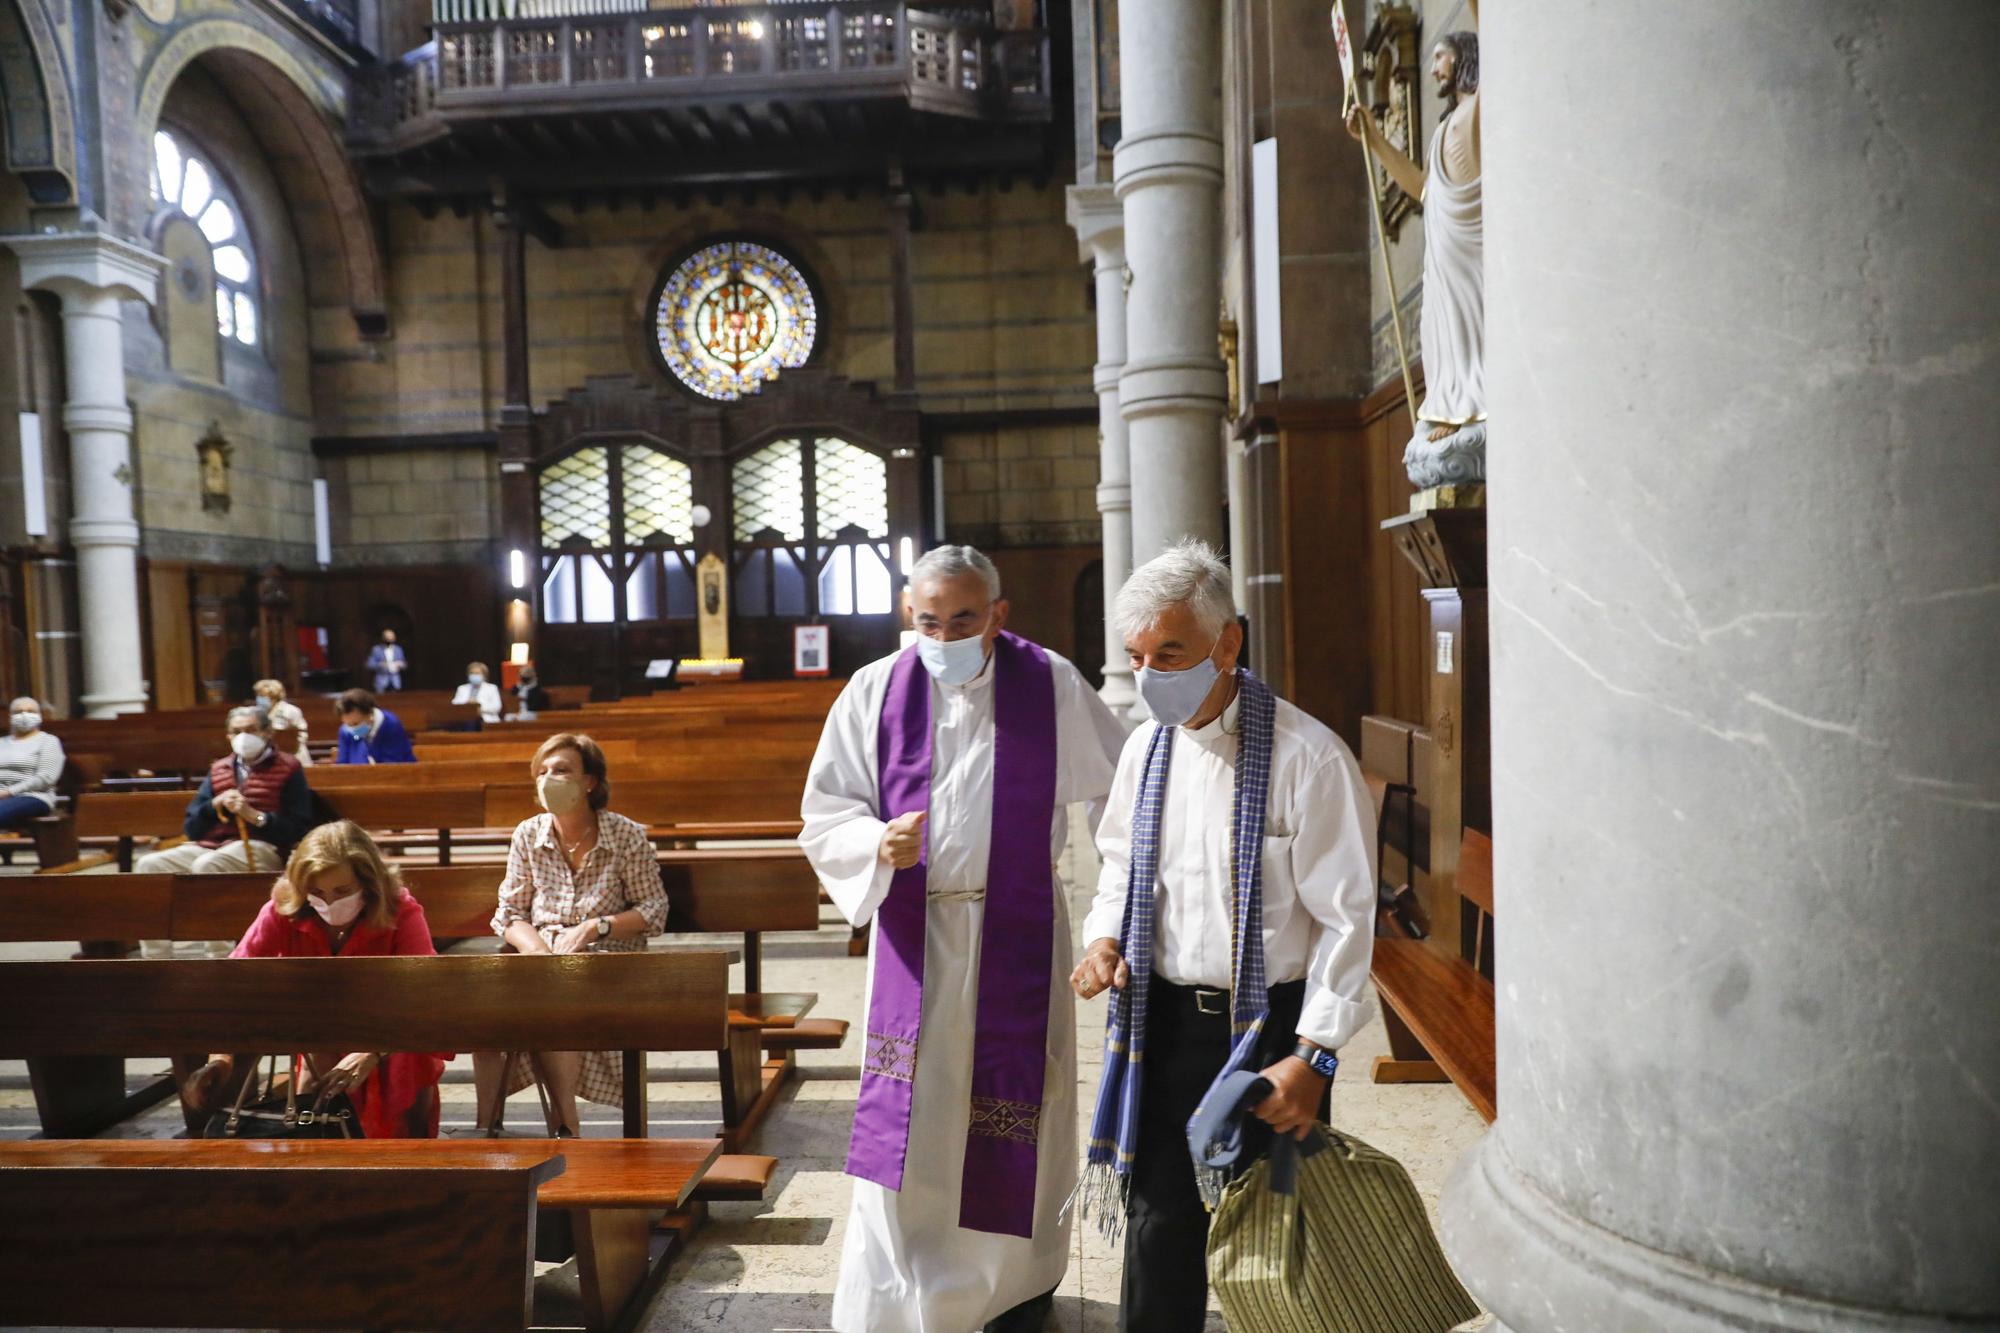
732 316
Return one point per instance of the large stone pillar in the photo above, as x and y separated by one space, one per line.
94 274
1168 174
1745 577
1100 232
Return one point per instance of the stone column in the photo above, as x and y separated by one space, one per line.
1168 174
94 274
1745 583
1100 232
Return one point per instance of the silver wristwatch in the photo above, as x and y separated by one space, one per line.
603 927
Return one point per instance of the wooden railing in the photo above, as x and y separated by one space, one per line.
945 64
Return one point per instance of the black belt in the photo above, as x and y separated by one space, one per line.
1206 1001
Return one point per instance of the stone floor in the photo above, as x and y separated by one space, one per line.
770 1267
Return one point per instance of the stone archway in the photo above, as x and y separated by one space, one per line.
35 105
295 110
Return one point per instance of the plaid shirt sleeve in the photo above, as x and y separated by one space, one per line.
639 878
517 890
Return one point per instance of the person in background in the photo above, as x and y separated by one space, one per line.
529 696
480 689
248 813
339 899
370 734
31 763
282 714
579 879
387 661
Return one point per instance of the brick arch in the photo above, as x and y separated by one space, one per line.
39 126
295 111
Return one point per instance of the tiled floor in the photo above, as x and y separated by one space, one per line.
770 1267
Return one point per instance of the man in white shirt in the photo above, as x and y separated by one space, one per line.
935 808
1316 899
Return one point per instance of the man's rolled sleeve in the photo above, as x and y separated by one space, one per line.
1106 918
1333 862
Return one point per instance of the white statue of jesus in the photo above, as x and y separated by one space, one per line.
1450 445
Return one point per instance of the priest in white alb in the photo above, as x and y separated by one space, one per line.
936 807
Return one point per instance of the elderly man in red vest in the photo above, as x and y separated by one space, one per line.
250 809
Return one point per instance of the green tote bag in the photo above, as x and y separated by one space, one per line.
1327 1235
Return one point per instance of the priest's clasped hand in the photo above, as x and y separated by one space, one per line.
1293 1106
1102 966
903 840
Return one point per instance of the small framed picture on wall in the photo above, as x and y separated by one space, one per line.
812 649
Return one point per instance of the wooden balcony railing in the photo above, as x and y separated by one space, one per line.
833 48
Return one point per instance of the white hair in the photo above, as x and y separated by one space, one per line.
245 710
1187 573
950 562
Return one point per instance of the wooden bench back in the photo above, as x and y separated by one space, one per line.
666 765
1475 869
661 803
38 909
711 890
125 814
458 901
579 1002
717 890
392 805
294 1235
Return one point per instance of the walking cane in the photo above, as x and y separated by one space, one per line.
243 832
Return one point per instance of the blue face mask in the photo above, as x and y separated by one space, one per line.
1174 697
357 731
954 662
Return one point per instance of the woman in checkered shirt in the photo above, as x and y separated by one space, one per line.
578 878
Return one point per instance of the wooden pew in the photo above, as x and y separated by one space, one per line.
668 764
632 1002
126 817
1446 1000
710 891
84 1238
663 804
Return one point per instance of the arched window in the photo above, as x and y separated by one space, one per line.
812 530
182 180
629 561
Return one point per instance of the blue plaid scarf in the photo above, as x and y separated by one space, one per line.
1114 1128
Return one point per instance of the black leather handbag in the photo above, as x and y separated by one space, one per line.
275 1113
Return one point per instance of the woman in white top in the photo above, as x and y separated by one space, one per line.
479 689
31 763
284 716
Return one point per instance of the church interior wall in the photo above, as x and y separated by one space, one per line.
261 404
1002 326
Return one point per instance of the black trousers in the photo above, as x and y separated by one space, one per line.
1166 1227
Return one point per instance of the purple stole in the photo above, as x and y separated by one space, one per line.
1010 1037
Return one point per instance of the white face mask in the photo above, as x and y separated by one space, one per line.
476 678
26 722
1174 697
249 746
339 913
954 662
559 795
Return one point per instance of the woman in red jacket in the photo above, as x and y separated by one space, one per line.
338 898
